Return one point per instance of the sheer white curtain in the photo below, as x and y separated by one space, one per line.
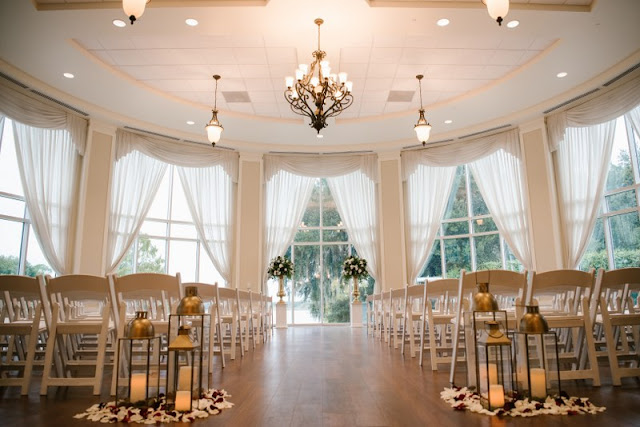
286 197
500 180
355 197
208 177
210 195
492 159
352 180
135 182
424 211
582 163
49 166
634 118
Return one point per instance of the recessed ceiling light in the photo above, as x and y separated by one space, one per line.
561 75
191 122
191 22
442 22
448 122
320 135
513 24
68 75
119 23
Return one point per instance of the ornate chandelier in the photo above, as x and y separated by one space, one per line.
497 9
318 95
422 128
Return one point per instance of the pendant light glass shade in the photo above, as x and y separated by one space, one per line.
214 128
497 9
134 8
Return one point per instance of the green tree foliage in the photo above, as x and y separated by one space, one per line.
9 265
148 259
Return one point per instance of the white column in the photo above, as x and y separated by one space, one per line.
281 315
356 314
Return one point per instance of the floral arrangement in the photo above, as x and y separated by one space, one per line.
280 266
211 403
354 267
461 398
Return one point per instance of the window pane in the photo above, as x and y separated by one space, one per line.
160 206
306 301
481 225
311 217
477 202
151 255
307 235
12 207
126 265
623 200
625 237
330 215
336 292
596 254
154 228
620 172
334 236
488 252
182 259
9 172
185 231
455 228
208 273
512 262
179 207
433 268
457 205
11 233
457 254
36 262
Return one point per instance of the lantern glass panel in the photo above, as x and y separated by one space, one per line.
537 367
494 367
138 367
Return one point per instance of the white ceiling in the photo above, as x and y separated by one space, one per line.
156 74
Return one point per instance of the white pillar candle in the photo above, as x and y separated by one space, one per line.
138 389
493 373
183 401
538 384
184 378
496 396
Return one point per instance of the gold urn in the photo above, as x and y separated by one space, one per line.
191 304
140 327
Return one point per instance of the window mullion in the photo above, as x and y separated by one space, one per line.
608 242
24 245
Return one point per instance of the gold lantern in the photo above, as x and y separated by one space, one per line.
536 353
138 363
494 366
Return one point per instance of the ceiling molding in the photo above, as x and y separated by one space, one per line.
44 5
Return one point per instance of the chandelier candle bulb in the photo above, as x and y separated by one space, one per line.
299 75
304 68
288 81
343 77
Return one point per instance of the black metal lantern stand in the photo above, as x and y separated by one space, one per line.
138 363
494 366
536 353
189 338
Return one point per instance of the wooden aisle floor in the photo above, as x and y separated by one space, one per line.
329 376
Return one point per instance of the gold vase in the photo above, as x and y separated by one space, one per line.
140 327
356 292
191 304
483 300
281 293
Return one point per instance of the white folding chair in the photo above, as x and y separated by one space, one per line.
413 316
507 286
573 321
80 306
621 321
396 316
229 316
245 319
21 325
439 309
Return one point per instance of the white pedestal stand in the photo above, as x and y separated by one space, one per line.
281 315
356 314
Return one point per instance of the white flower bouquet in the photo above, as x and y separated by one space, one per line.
354 267
280 266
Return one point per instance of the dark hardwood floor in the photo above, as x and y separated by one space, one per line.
329 376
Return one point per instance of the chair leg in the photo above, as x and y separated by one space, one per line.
31 353
102 347
48 354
